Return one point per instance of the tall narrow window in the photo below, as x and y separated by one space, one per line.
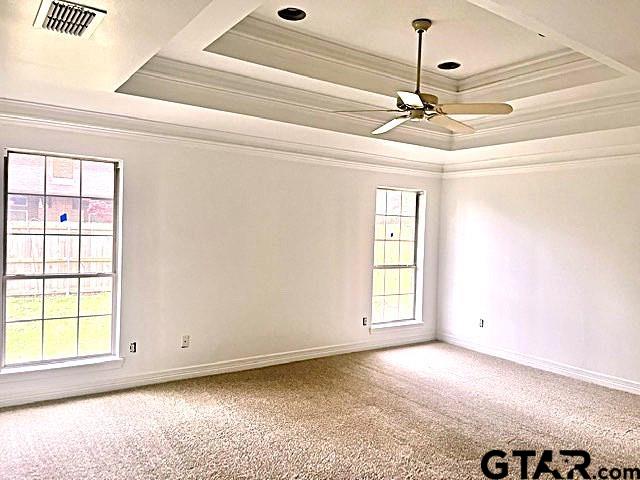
59 272
398 237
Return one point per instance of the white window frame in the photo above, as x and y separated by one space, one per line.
114 353
419 255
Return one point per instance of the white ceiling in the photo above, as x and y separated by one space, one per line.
461 31
606 30
122 43
154 66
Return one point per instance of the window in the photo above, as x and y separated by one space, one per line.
59 269
397 246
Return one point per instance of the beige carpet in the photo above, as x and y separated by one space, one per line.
422 412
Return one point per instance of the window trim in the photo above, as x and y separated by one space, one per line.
116 274
419 255
103 362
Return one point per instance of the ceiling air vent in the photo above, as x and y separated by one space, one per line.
68 17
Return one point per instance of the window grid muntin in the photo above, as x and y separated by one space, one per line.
78 275
400 267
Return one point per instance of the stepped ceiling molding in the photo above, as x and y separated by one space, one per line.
233 66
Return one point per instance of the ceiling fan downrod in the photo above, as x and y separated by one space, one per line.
420 25
416 106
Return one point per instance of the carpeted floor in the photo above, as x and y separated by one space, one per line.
421 412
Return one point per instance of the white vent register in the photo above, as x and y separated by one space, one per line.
68 17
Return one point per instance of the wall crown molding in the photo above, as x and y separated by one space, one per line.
19 113
613 146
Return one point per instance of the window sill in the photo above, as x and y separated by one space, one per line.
110 361
403 323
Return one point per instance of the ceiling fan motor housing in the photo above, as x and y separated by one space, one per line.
429 101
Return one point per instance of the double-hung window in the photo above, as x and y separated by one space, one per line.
397 255
59 266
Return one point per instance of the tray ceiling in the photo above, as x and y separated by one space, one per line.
233 64
301 72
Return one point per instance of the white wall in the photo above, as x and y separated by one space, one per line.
551 260
248 253
262 258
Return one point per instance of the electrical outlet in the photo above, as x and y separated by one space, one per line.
186 341
133 347
481 323
365 321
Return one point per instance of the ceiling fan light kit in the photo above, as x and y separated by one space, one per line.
417 106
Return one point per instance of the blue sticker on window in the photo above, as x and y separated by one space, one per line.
63 217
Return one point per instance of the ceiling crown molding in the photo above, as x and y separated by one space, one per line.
566 58
584 148
542 163
265 43
536 76
24 114
615 111
598 148
179 82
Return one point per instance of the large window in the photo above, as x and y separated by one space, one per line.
397 244
59 269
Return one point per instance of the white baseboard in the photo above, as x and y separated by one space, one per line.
182 373
605 380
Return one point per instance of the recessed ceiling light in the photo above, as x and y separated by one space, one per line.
292 14
448 65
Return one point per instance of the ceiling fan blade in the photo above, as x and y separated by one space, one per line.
411 99
475 108
372 110
390 124
451 124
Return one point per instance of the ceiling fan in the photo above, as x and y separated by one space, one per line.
417 106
